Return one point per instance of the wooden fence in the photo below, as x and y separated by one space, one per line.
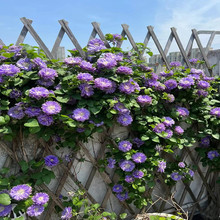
194 197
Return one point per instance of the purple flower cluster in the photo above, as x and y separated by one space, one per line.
40 198
51 160
127 165
16 112
203 84
122 197
202 93
170 84
35 210
86 90
39 92
45 119
24 64
45 83
193 60
138 142
39 62
181 164
117 188
159 128
32 111
85 77
20 192
176 176
5 210
105 85
144 100
47 74
124 70
182 111
127 87
15 93
8 70
139 157
166 74
15 49
186 82
215 112
138 174
161 166
111 163
95 45
170 98
124 146
87 66
121 108
169 134
51 108
175 64
212 154
129 179
124 119
178 130
168 122
81 114
73 61
106 63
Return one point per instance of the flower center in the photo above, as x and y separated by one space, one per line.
20 191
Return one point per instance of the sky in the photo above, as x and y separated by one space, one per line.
138 14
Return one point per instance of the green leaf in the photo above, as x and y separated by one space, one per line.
141 189
216 136
5 199
62 99
31 123
2 120
123 215
34 130
156 139
24 166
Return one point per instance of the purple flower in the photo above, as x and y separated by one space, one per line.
127 165
1 46
138 174
67 213
186 82
124 146
136 86
182 111
111 89
39 62
179 130
122 197
45 119
45 83
3 58
191 173
168 122
205 141
35 210
170 84
103 84
15 93
203 84
158 148
127 88
175 176
161 166
145 68
39 92
215 112
40 198
87 66
51 160
181 164
139 157
81 114
47 74
144 100
120 107
73 61
111 163
80 130
138 142
207 78
16 112
175 64
213 154
159 128
32 111
15 49
169 134
170 98
124 70
20 192
51 108
24 64
5 210
9 70
86 77
129 179
86 90
95 45
106 63
67 158
193 60
194 76
164 74
117 188
124 119
97 124
202 93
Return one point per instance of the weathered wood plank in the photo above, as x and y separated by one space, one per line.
208 46
57 42
1 42
189 45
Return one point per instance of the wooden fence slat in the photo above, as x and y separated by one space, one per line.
146 39
71 36
57 42
23 34
208 46
156 41
93 35
99 32
168 44
202 50
1 42
34 34
179 44
189 45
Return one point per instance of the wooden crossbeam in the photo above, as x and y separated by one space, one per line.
1 42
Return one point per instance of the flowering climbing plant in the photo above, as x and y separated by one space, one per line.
68 101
